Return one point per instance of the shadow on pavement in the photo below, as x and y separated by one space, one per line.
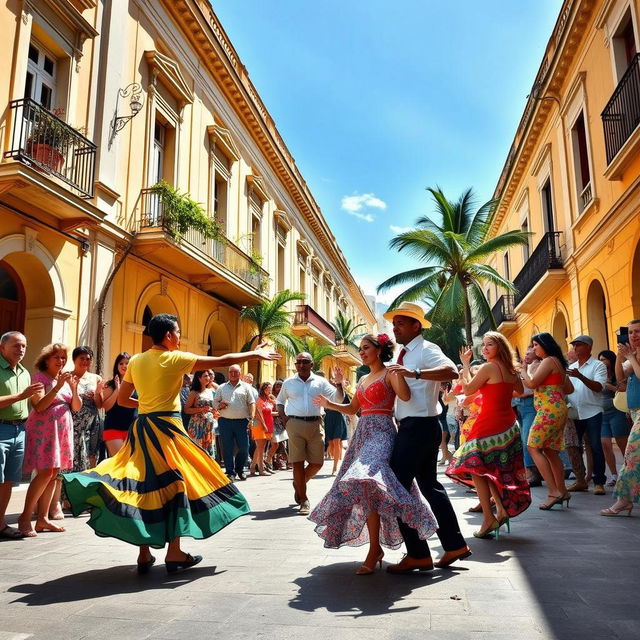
99 583
289 511
335 588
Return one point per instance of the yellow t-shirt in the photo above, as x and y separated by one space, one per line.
157 377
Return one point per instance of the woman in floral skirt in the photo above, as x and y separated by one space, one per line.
366 491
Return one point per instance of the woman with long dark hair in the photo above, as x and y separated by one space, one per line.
199 408
491 459
117 418
615 424
546 437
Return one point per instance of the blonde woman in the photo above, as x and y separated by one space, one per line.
491 457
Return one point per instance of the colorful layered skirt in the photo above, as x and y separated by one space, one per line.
159 486
498 458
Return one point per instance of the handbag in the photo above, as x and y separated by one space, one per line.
620 401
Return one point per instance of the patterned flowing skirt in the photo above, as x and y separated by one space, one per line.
366 484
159 486
499 459
628 485
547 430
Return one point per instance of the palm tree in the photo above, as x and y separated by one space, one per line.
446 332
455 249
317 351
272 322
345 329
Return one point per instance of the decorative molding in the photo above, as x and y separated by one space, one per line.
222 137
168 72
30 239
257 185
164 285
282 220
69 14
12 184
134 327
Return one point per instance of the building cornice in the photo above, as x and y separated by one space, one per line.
559 55
201 26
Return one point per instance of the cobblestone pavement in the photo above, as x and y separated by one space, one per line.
567 573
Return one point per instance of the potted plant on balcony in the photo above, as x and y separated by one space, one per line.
49 139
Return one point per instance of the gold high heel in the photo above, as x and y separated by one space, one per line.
486 533
364 570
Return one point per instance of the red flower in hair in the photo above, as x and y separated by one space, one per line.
383 338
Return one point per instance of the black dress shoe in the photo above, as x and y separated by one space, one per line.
241 476
190 561
143 567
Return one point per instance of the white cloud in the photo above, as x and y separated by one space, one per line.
400 229
354 204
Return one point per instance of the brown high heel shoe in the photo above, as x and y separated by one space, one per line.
364 570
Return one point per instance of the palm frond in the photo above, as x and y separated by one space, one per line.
421 243
481 305
483 272
407 276
499 243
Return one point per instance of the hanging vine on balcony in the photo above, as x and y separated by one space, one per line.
180 213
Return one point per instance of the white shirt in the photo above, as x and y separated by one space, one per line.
423 402
297 395
586 402
239 399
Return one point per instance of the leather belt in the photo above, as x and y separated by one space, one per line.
306 418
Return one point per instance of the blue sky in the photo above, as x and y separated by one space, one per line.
378 100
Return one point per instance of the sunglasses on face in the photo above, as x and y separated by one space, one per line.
303 361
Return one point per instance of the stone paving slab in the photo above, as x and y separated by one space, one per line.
561 574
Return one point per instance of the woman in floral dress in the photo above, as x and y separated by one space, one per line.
199 406
627 490
49 442
366 491
546 437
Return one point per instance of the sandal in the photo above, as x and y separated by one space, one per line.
11 533
189 561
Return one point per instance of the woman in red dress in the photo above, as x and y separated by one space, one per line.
491 458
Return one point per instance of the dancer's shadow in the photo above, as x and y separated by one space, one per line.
335 588
275 514
99 583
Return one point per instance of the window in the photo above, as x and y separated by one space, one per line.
581 162
546 198
281 267
40 82
526 248
507 268
624 44
255 211
303 280
221 179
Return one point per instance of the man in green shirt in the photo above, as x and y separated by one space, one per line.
15 391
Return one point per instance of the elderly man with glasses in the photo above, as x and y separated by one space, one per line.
303 421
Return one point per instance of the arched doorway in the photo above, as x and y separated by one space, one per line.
560 331
12 300
219 341
597 317
157 304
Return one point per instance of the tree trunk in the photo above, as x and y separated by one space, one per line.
259 366
102 301
467 319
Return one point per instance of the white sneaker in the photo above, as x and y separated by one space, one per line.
305 508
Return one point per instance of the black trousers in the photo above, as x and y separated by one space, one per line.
415 456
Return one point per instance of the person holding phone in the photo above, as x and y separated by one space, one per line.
627 491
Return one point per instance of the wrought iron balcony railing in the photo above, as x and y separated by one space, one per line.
621 116
545 256
42 139
307 315
502 311
222 250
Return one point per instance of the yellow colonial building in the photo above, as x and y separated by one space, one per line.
572 179
100 102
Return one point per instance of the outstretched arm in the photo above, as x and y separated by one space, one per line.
262 352
350 409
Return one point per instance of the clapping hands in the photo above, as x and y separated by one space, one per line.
466 355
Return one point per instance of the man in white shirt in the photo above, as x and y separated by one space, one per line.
415 452
234 399
588 376
303 421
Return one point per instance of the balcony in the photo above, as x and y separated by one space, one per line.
308 322
42 140
347 353
542 274
620 119
503 314
48 167
215 265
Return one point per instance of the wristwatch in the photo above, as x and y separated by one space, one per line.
417 372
